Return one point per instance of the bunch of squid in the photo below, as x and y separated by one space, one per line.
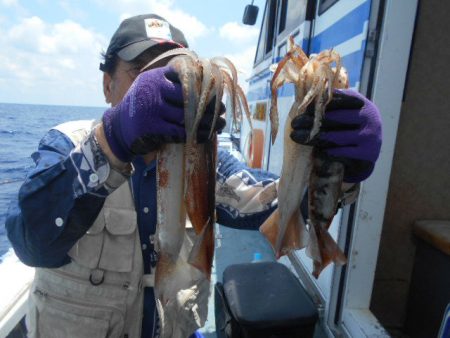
186 182
303 167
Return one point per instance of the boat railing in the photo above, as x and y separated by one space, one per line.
14 288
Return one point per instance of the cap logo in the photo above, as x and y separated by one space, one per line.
154 23
157 29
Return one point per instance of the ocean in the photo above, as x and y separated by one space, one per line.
21 128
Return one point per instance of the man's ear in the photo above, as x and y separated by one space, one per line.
107 80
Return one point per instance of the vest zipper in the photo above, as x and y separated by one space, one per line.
44 294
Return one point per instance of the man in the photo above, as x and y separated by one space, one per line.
86 214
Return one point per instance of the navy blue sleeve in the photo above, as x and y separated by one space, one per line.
245 197
59 200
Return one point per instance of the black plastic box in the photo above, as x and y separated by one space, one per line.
263 300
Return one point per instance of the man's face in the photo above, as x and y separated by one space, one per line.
115 86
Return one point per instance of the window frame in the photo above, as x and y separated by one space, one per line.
325 5
270 8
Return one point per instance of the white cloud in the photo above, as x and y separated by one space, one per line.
13 5
238 33
59 61
71 9
26 34
67 63
190 25
35 35
66 38
69 37
9 3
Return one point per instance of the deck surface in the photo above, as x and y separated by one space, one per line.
234 247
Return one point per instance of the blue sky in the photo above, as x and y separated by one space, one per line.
51 49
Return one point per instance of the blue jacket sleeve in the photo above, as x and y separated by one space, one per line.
59 200
245 197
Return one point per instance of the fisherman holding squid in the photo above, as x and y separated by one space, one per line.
86 215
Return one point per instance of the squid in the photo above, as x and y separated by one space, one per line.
186 182
314 79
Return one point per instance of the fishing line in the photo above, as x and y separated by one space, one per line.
12 181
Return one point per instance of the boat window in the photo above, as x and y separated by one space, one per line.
283 11
271 26
296 11
292 14
325 5
267 33
262 40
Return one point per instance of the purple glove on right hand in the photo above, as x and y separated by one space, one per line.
151 114
350 133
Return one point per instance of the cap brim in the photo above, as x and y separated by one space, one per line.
130 52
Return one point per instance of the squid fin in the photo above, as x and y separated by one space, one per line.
295 237
202 253
270 227
312 250
328 249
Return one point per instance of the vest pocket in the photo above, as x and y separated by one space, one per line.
110 242
59 316
119 240
57 324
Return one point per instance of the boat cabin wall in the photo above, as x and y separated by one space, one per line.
419 185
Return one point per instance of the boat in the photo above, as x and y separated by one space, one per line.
396 52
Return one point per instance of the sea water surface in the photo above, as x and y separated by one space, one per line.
21 128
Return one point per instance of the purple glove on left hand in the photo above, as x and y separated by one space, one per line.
350 133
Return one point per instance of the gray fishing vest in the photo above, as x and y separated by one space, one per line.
100 293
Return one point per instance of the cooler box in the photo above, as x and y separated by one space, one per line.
262 300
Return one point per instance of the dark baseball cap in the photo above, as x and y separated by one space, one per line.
139 33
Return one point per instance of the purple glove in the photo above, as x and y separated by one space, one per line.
350 133
151 114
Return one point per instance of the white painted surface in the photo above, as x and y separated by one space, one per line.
362 323
15 282
388 87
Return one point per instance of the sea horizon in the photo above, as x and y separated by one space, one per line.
53 104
